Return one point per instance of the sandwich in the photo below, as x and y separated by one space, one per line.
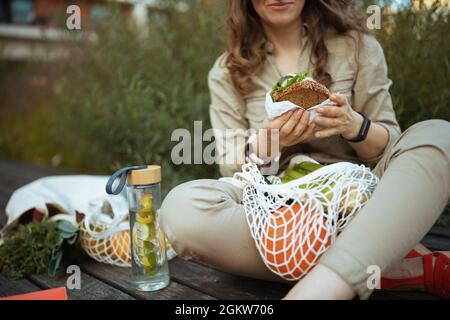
301 90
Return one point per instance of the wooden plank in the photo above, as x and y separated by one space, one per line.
3 217
436 243
10 287
4 197
224 285
191 275
120 278
440 231
6 191
12 170
90 288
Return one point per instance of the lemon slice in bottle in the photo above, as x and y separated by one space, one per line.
145 219
149 260
142 231
146 203
145 231
148 248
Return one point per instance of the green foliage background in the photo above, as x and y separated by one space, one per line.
132 93
116 102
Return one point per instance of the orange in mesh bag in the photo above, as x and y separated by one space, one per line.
294 223
288 252
104 233
107 247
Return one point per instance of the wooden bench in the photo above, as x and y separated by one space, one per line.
189 280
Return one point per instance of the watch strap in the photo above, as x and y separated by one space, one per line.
363 131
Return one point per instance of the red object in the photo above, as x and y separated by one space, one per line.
37 216
435 278
50 294
413 254
419 251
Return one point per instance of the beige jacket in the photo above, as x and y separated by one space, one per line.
358 69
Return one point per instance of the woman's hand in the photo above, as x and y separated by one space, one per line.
292 128
338 119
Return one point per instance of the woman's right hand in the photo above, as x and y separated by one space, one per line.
292 128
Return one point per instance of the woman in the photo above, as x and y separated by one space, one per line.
204 219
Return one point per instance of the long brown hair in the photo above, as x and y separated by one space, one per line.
246 39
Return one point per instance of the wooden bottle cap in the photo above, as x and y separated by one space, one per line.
149 175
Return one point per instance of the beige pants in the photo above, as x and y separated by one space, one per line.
205 221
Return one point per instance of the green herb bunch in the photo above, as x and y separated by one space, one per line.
35 248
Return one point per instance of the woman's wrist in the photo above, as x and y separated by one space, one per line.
354 128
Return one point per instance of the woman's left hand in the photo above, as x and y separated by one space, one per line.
339 118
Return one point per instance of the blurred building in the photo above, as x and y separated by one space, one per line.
46 12
29 27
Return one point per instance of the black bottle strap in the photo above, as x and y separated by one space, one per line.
122 174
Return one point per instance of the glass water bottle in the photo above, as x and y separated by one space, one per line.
149 266
150 270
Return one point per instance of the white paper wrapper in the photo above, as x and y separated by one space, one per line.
276 109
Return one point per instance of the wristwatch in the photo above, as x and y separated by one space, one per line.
362 135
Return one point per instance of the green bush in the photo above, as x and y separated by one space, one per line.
126 95
417 49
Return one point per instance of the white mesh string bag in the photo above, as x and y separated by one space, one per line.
105 236
294 223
